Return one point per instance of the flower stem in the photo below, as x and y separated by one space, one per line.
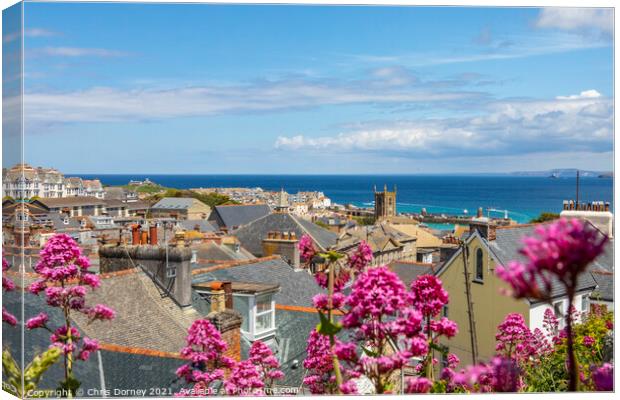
572 365
332 339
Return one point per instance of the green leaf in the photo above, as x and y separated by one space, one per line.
69 385
326 327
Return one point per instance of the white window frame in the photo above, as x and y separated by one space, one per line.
252 334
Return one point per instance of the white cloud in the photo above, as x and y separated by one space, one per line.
29 32
579 123
109 104
587 94
577 19
76 52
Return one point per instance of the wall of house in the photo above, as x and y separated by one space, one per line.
490 306
198 210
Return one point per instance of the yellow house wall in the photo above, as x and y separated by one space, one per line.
489 304
198 210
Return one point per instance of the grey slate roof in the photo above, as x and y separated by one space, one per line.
202 224
508 242
234 216
251 236
296 287
214 251
139 305
409 271
174 203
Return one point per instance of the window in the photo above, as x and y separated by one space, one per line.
479 265
585 303
241 304
558 310
171 271
264 314
444 311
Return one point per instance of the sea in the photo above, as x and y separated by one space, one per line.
521 198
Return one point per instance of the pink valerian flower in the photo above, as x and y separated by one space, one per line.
453 361
562 250
306 248
244 380
8 317
348 387
541 342
588 341
428 295
321 301
204 351
550 322
65 280
318 362
266 363
89 346
361 257
101 312
603 377
418 385
609 325
514 339
499 375
444 327
341 277
7 286
506 375
37 322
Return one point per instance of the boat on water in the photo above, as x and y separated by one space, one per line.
554 175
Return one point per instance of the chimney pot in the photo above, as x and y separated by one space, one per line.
135 235
144 237
153 235
607 206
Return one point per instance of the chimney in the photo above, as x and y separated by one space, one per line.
153 235
479 213
180 239
144 237
173 278
135 235
228 295
218 300
283 244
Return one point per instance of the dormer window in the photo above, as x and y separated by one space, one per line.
259 315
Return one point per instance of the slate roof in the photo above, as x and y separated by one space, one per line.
296 287
508 241
212 251
251 236
139 305
203 225
234 216
408 271
377 236
174 203
70 201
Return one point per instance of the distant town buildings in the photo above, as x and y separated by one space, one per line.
23 181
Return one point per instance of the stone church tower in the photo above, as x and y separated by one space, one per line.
385 203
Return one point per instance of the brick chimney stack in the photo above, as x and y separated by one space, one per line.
153 235
283 244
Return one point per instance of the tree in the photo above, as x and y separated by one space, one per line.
544 217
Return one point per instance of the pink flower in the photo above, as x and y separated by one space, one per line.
550 322
453 361
505 375
418 385
244 380
37 286
562 250
268 366
361 257
348 387
8 317
588 341
37 322
88 347
306 248
91 280
609 325
514 339
101 312
428 295
603 377
7 284
444 327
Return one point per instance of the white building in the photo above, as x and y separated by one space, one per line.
24 182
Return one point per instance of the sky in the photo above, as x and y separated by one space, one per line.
225 89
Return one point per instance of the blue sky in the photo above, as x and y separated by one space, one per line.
139 88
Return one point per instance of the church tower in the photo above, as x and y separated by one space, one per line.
385 203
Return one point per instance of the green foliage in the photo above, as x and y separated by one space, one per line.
210 199
365 220
544 217
32 373
549 374
327 327
149 188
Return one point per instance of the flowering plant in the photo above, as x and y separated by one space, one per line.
65 281
560 252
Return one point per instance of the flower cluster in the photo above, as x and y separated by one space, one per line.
361 257
603 377
561 251
501 374
65 280
7 286
306 248
318 362
514 339
428 295
266 363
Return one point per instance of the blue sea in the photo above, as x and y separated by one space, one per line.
523 197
